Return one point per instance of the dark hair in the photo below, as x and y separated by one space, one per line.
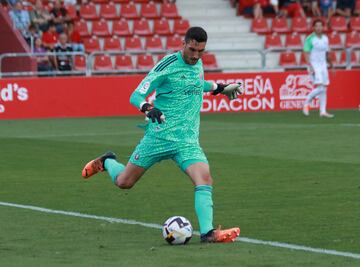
196 33
32 26
318 20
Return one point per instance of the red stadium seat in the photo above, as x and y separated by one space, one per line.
335 41
82 28
100 1
338 24
343 58
303 60
121 1
174 43
288 59
71 10
129 11
112 44
88 12
300 25
153 44
169 10
209 61
280 25
79 63
133 44
91 45
142 28
144 62
100 28
162 27
273 42
181 26
121 28
103 63
108 11
123 62
352 39
149 11
293 41
141 1
333 57
355 23
260 26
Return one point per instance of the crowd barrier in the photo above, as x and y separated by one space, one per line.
22 98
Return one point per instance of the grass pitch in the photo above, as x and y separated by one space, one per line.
279 176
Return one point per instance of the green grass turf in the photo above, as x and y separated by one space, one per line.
279 176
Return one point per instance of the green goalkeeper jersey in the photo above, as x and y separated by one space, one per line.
179 89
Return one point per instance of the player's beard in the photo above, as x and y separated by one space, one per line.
193 61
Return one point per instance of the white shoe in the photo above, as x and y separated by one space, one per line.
306 110
327 115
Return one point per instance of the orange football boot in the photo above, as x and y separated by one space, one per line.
221 236
96 165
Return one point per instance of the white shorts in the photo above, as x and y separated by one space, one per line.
320 75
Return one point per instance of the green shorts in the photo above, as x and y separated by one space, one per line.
151 150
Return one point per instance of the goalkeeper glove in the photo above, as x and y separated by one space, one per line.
232 90
152 113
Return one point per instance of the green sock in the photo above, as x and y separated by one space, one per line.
204 207
113 168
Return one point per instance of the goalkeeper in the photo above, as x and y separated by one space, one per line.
172 131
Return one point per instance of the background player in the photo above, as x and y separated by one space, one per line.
316 50
179 85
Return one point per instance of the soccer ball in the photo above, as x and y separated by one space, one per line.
177 230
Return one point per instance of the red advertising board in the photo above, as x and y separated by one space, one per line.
109 95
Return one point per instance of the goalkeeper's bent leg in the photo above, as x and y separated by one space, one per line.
113 168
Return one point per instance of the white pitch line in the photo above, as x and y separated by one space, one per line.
351 124
158 226
71 135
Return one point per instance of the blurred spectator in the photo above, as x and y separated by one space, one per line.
345 7
63 62
326 7
74 38
40 17
12 2
50 37
60 16
357 9
43 61
20 18
311 7
265 6
292 8
33 34
70 2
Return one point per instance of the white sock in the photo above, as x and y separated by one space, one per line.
313 94
322 98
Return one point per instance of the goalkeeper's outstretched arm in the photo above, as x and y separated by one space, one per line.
232 90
